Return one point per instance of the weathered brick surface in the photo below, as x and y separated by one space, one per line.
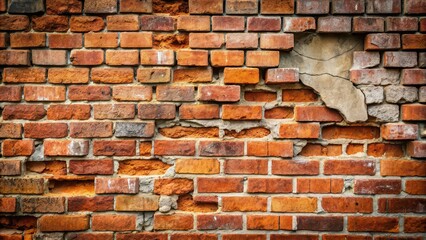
194 119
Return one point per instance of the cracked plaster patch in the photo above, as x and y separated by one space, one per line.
324 62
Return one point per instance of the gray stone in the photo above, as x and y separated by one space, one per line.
48 236
168 203
38 154
400 94
324 62
363 59
26 6
148 218
379 76
422 59
134 129
146 185
422 94
384 112
373 94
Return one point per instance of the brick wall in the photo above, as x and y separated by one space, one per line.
169 119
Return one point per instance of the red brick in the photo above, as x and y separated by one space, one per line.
241 75
21 185
63 6
334 24
395 131
10 168
157 23
156 111
219 185
10 93
413 41
368 24
114 148
15 57
43 204
142 167
413 76
347 6
55 223
413 112
401 24
175 93
298 24
316 113
206 40
50 23
319 185
221 148
242 7
24 75
177 221
122 57
312 6
136 40
193 75
7 205
49 57
89 93
132 93
347 204
153 75
263 24
68 75
283 41
352 132
293 204
416 149
193 23
68 112
219 222
382 41
422 24
390 167
299 130
228 23
414 224
66 147
173 186
270 149
244 204
101 40
400 59
14 22
86 24
277 7
91 236
116 222
241 40
135 6
415 187
293 167
270 185
142 235
349 167
90 129
112 75
260 96
206 6
116 185
226 58
192 58
244 236
4 40
401 205
320 223
23 111
44 93
281 75
87 57
199 111
383 6
414 7
45 130
17 147
82 167
157 57
170 148
234 112
373 224
377 186
27 40
219 93
123 23
262 58
235 166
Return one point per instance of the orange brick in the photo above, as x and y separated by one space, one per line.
349 167
262 222
122 23
87 57
114 222
270 149
241 76
238 112
122 57
197 166
199 111
27 40
177 221
65 41
235 166
157 57
49 57
192 57
299 130
206 40
86 24
244 204
390 167
136 40
219 185
263 58
282 41
292 167
293 204
319 185
112 75
223 58
44 93
347 204
193 23
68 75
101 40
15 57
55 223
241 40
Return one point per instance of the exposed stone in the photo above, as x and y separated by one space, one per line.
400 94
148 218
366 59
324 62
48 236
422 94
26 6
384 112
167 203
135 129
146 184
373 94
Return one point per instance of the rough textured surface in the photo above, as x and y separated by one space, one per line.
212 119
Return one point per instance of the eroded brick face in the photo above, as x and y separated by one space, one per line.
212 119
